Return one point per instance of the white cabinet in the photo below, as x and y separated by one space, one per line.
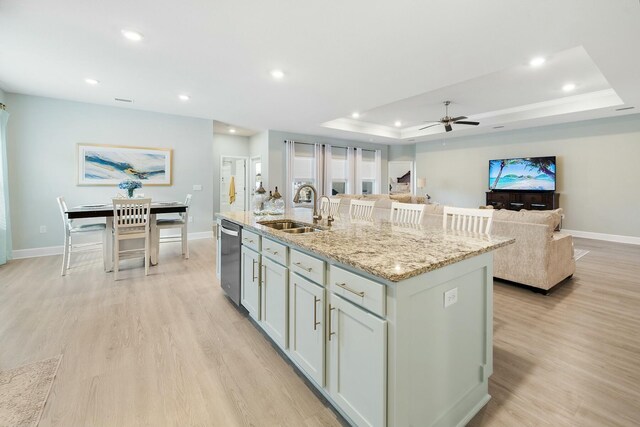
306 327
250 282
274 315
357 362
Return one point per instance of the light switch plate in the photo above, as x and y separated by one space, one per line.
197 187
450 297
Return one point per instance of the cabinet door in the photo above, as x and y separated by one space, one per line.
357 362
306 326
250 292
218 249
274 315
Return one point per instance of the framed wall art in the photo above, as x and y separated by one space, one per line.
110 164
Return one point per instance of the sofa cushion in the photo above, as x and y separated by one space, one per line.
402 198
548 218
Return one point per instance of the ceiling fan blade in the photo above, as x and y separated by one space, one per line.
448 127
435 124
455 119
468 123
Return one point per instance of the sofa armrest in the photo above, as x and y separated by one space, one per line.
561 261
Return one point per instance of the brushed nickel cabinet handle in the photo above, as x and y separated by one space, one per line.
329 321
303 267
353 291
316 300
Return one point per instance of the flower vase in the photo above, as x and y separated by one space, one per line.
130 192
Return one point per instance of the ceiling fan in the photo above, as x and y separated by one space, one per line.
448 121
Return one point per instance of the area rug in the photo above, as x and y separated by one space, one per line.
579 253
24 391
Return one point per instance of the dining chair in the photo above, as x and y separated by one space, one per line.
361 209
333 206
406 213
180 221
130 221
463 219
72 228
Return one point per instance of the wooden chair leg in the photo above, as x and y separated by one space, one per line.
116 258
147 255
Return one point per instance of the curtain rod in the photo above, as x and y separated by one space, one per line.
336 146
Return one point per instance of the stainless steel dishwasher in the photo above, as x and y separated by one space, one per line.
230 259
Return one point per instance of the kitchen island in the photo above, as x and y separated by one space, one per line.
391 323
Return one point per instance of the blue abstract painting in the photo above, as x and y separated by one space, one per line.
108 165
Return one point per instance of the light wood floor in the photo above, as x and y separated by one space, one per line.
169 349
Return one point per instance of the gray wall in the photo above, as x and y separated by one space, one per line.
3 96
402 152
277 173
225 145
42 138
598 169
259 146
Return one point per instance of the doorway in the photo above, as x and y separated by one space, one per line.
233 170
401 179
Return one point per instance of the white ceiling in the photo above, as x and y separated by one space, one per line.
391 60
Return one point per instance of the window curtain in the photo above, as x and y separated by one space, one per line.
318 171
5 226
290 156
358 171
378 183
328 178
351 172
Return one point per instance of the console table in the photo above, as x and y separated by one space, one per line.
530 200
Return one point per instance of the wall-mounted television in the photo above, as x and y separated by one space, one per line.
523 174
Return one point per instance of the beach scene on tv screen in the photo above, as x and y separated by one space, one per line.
523 174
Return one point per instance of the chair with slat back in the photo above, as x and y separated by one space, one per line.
361 209
130 221
473 220
72 228
406 213
176 222
333 208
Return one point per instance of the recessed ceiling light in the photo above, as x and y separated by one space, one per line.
537 61
132 35
569 87
184 97
91 81
355 115
277 74
398 123
232 130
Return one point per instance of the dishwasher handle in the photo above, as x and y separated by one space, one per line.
229 232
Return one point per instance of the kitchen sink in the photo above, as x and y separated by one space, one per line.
302 230
289 226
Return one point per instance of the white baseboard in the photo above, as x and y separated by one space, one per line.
631 240
57 250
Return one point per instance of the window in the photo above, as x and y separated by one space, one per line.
304 170
340 170
368 171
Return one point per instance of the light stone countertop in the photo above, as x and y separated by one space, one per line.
389 251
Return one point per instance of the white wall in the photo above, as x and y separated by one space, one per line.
259 146
3 96
598 164
42 137
277 173
226 145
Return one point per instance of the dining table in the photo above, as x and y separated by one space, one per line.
105 210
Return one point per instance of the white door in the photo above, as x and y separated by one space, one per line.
357 362
306 326
274 315
240 184
250 282
233 170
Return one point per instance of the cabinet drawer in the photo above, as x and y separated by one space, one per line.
275 251
307 266
357 289
251 240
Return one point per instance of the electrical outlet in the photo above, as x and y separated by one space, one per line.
450 297
197 187
190 219
43 229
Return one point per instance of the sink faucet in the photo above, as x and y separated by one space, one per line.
329 216
296 199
